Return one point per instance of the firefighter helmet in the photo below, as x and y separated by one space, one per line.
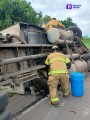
55 47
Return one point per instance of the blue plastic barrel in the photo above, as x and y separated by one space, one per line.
77 84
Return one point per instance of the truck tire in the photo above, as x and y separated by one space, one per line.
86 57
3 100
5 116
77 31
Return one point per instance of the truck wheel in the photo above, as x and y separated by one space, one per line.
77 31
3 100
5 116
86 57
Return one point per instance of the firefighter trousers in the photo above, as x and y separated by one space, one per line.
53 81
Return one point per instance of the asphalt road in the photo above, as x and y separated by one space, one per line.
71 108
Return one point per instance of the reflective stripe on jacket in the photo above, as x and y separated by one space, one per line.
57 62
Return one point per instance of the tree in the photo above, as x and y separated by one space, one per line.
68 22
40 18
46 18
13 11
5 12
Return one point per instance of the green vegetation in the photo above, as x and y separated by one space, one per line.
10 94
68 22
14 11
46 19
86 41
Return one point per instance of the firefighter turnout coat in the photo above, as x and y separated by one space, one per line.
57 62
52 23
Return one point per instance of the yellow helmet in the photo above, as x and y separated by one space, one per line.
54 47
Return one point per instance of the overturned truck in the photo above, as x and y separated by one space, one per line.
24 47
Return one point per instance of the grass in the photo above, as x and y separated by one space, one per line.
86 41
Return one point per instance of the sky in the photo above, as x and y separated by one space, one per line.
57 9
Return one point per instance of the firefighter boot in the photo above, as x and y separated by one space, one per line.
66 94
55 101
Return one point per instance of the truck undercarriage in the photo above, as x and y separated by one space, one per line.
23 50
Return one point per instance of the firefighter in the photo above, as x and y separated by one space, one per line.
58 64
53 23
